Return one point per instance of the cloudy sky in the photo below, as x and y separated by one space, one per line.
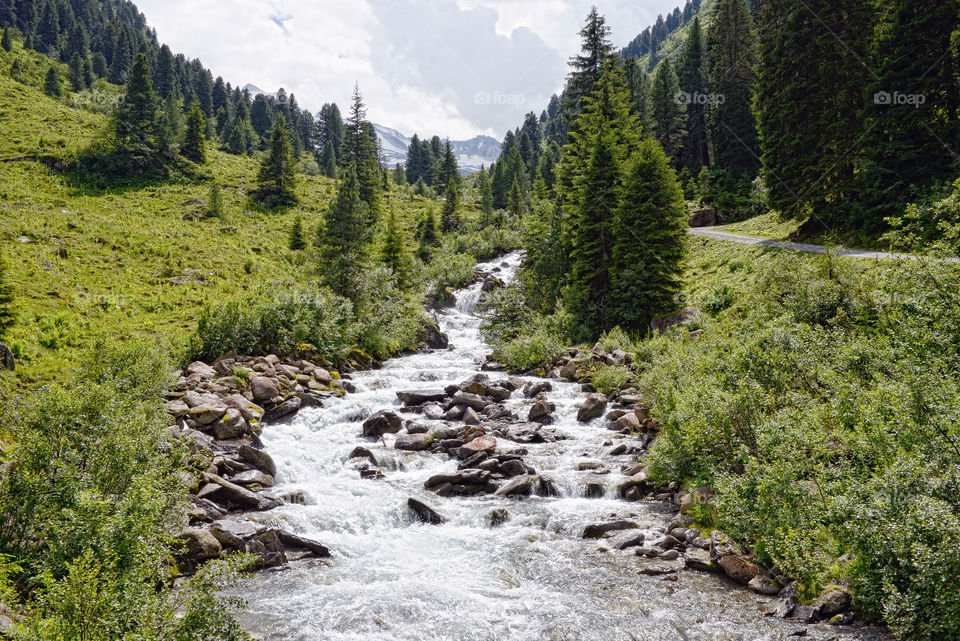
455 68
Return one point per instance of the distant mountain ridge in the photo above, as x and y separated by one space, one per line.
471 154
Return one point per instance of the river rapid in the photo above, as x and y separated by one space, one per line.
394 578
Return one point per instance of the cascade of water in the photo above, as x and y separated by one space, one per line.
532 578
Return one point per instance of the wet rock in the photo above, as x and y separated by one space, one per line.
593 407
414 442
541 412
480 444
284 410
383 422
513 468
207 414
697 559
627 539
470 417
433 412
258 458
417 428
231 426
455 413
599 530
762 584
248 409
240 495
200 545
629 422
498 517
846 618
263 388
298 542
420 397
833 601
658 567
470 400
499 392
640 482
520 486
530 390
545 487
424 512
739 568
253 477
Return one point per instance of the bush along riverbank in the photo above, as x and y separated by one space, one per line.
809 402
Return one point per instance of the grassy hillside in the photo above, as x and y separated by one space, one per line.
671 48
133 261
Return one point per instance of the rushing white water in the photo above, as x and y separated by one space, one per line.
533 578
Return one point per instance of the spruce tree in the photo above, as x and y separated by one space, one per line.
669 112
241 137
733 129
328 162
195 139
163 80
486 195
216 207
515 204
810 93
48 27
344 239
137 122
429 238
641 92
910 139
595 52
6 42
361 151
400 174
396 250
649 243
297 239
77 78
691 75
52 85
450 218
171 131
8 315
277 177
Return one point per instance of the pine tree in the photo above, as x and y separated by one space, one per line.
691 75
515 204
588 294
649 246
396 250
641 91
400 175
52 85
6 42
48 27
429 238
669 112
216 207
261 116
328 162
137 122
171 132
733 130
77 80
908 146
241 137
360 150
486 195
344 239
450 218
810 88
596 52
297 239
8 314
195 139
277 177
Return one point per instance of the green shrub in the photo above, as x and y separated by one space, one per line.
530 351
610 379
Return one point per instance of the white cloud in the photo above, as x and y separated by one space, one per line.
451 67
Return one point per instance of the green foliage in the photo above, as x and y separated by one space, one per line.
6 41
277 176
669 113
932 226
297 239
611 379
195 140
344 239
216 208
8 314
53 85
396 250
449 219
137 122
90 507
328 162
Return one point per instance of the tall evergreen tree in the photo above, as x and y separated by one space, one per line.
344 239
48 27
172 126
486 195
261 116
78 80
450 218
6 41
396 250
328 161
52 85
277 177
331 128
360 151
297 240
809 102
641 93
649 249
429 238
732 58
241 137
910 138
691 75
669 113
587 67
516 204
195 139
